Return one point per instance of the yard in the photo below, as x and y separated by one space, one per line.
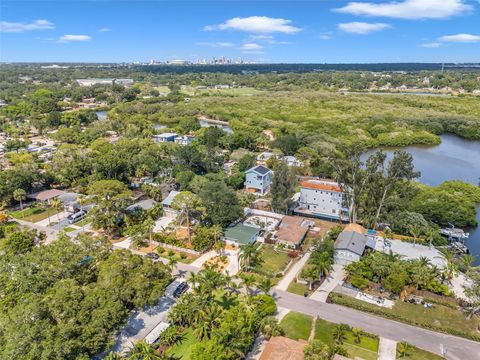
273 261
182 349
367 348
414 353
297 288
439 318
33 214
182 257
296 326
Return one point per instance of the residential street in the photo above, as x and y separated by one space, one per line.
457 348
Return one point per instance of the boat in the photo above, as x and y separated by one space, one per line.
460 247
454 233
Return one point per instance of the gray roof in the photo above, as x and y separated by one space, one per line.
352 241
144 205
262 170
241 234
169 199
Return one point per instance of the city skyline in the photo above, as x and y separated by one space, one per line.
268 31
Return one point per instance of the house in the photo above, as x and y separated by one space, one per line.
321 198
184 139
349 247
143 205
292 230
292 161
241 235
228 167
264 156
69 201
259 179
46 195
283 348
165 137
167 205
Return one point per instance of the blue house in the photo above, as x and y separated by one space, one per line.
165 137
258 178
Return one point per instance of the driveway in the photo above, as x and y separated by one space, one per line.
141 323
458 348
333 279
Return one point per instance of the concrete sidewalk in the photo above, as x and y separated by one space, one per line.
387 349
333 279
293 272
204 258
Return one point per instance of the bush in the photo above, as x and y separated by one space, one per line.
359 282
293 254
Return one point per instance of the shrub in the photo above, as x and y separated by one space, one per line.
293 254
359 282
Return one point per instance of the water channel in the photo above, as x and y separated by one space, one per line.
454 159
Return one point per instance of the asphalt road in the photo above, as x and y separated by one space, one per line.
457 348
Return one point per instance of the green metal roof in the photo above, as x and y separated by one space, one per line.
241 234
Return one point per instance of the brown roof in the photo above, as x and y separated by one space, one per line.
282 348
292 229
320 185
46 194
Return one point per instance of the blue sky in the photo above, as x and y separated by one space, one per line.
313 31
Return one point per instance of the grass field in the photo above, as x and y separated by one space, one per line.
183 348
273 261
440 317
414 353
297 288
296 326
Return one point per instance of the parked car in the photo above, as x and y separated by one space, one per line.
176 288
153 256
73 218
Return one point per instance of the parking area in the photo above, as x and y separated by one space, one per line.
411 251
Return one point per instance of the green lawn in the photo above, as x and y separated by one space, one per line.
440 318
33 214
187 258
84 222
68 229
297 288
273 261
183 348
415 353
296 326
366 349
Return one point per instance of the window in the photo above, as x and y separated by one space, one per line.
333 211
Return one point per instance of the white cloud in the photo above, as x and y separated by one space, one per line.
104 30
256 24
408 9
218 44
432 45
251 47
463 38
362 28
68 38
17 27
326 36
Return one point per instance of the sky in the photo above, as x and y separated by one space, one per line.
314 31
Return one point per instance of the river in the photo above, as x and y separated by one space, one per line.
454 159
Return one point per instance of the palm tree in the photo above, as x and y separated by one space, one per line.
357 334
114 356
430 235
56 204
217 232
467 261
323 265
193 279
450 268
20 195
339 333
172 262
247 254
270 327
265 285
415 231
311 274
143 351
424 261
402 349
247 282
230 284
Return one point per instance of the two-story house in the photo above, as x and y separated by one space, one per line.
321 198
258 178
